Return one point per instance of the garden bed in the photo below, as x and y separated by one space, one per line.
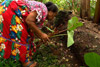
86 38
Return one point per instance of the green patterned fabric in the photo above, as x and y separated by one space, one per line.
13 21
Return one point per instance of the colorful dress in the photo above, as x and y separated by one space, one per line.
16 39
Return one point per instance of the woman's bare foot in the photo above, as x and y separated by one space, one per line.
32 65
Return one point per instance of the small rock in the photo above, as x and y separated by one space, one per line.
76 64
63 58
96 37
51 42
71 56
67 60
66 50
61 44
94 46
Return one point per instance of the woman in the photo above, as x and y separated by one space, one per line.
18 21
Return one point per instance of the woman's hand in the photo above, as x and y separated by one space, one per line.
31 20
44 37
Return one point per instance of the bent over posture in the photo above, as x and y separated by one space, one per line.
18 21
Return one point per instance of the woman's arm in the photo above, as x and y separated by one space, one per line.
31 20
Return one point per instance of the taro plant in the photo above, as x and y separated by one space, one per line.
92 59
73 23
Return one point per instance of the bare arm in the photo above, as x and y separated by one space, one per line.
31 20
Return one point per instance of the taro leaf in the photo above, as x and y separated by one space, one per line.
74 23
70 40
92 59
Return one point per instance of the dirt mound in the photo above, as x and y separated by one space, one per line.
87 39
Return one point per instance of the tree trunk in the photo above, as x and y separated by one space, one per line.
85 9
97 12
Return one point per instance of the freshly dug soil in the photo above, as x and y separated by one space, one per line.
87 39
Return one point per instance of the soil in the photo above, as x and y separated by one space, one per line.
86 38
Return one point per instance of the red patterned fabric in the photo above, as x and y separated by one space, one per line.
16 40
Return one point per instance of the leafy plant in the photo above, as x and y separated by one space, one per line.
92 59
70 40
1 1
73 23
9 63
46 58
92 7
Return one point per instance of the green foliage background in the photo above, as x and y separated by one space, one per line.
67 5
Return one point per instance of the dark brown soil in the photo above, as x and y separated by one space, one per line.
87 39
